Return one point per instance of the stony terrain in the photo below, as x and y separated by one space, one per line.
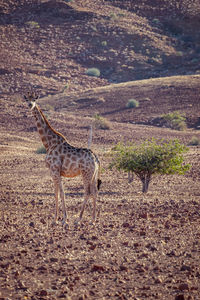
51 44
143 246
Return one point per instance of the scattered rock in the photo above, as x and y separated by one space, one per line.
82 237
143 215
50 241
53 259
185 268
158 280
125 244
142 233
179 297
31 224
171 253
151 247
92 247
97 268
43 221
123 268
125 225
167 224
42 269
43 293
183 286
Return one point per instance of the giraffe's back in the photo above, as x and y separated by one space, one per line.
78 161
72 161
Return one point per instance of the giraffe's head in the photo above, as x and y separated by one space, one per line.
31 98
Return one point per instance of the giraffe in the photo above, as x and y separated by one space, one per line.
65 160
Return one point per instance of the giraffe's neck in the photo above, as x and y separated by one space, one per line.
48 135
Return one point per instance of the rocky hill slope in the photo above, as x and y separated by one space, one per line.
49 45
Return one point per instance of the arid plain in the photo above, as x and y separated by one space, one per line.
143 246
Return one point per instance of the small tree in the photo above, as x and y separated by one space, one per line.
149 158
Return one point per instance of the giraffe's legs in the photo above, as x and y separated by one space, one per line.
59 190
94 198
94 194
82 209
62 196
90 190
86 197
56 187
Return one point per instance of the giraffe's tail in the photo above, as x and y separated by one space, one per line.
99 182
96 181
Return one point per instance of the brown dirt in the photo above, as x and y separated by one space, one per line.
142 246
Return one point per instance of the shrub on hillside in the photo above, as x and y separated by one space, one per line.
132 103
33 24
101 123
104 43
41 150
195 141
93 72
175 120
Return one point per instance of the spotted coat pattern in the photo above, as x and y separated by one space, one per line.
65 160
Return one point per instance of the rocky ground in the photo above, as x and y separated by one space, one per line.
49 45
142 246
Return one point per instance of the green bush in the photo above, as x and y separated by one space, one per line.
195 141
104 43
41 150
132 103
101 123
149 158
93 72
113 16
175 120
33 24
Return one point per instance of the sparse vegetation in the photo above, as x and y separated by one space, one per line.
101 99
41 150
33 24
48 107
66 86
175 120
195 141
104 43
101 123
93 72
132 103
113 16
149 158
156 21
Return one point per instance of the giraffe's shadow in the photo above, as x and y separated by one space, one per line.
77 193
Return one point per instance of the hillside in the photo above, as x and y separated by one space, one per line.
49 45
156 97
